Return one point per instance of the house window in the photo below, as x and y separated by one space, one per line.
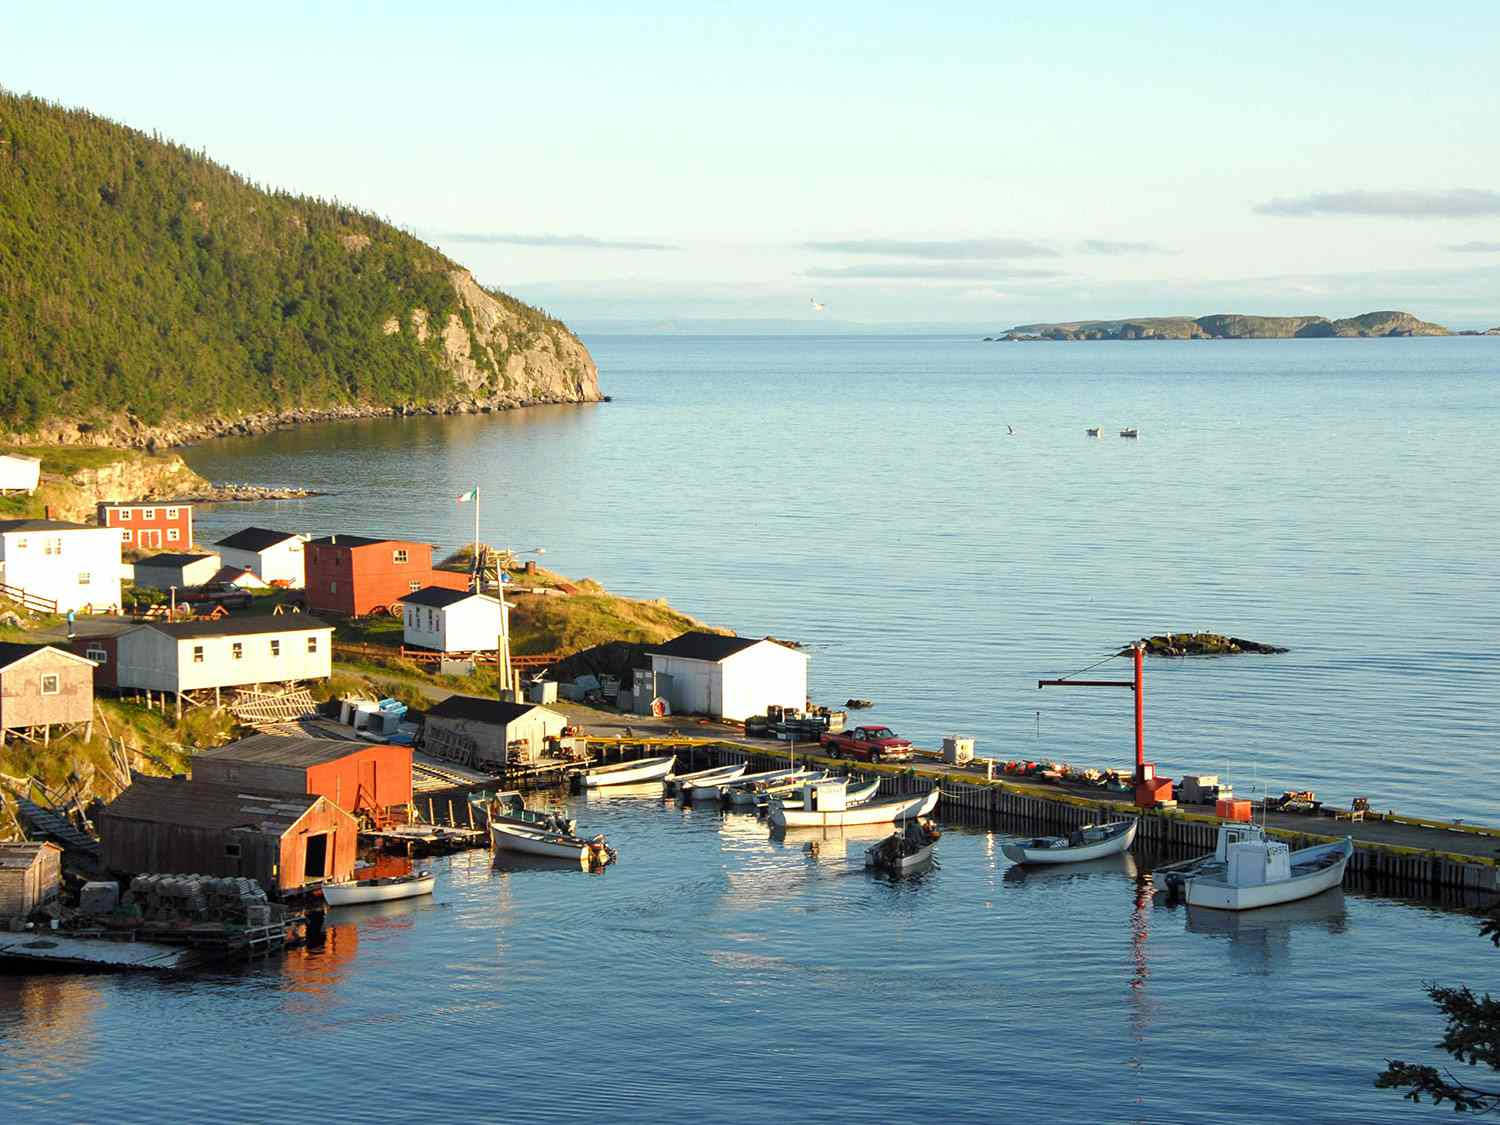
85 578
197 654
172 535
97 655
52 546
125 535
123 513
51 685
431 623
398 555
276 648
232 851
171 513
413 586
312 644
148 513
237 650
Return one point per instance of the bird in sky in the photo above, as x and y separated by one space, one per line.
817 305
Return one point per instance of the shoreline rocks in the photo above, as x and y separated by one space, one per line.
1200 644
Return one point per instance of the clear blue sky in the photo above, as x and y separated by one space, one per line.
948 163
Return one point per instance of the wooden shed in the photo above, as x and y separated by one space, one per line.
355 776
169 826
30 876
44 691
480 732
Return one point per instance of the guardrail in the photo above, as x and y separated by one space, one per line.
28 600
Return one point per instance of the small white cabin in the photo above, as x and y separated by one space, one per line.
273 556
19 473
451 620
729 677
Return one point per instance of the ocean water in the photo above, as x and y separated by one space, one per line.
868 497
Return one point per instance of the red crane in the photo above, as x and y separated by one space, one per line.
1150 790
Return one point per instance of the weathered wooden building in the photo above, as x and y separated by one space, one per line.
30 876
170 826
44 691
356 776
489 732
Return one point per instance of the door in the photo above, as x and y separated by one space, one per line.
316 864
148 538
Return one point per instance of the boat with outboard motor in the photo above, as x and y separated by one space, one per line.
594 852
510 808
907 848
1092 841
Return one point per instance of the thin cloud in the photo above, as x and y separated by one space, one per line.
1105 246
956 250
1459 203
917 271
553 241
1476 247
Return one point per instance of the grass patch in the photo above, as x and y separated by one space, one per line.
65 460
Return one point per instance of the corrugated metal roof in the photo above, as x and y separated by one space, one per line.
712 647
281 750
233 626
196 804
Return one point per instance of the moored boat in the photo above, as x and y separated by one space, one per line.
1251 871
511 809
756 792
858 793
628 773
595 852
356 891
1092 841
713 789
681 782
825 803
905 849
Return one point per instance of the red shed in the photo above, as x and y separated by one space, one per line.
355 776
351 576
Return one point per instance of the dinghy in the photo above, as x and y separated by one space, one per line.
713 790
354 892
553 845
825 803
1255 871
628 773
681 782
1092 841
908 847
858 793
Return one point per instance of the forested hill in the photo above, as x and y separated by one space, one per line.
141 284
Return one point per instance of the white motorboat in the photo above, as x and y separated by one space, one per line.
826 803
1250 871
858 793
356 891
907 848
628 773
1092 841
681 782
713 790
554 845
756 792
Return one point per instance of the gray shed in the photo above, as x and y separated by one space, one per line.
30 876
474 731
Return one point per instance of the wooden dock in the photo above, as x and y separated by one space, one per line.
50 950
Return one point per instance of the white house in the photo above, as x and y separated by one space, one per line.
478 732
451 620
188 656
729 677
161 572
67 563
19 473
273 556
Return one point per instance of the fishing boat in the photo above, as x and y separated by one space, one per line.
1092 841
553 845
511 809
1092 431
1248 870
681 782
826 803
628 773
356 891
858 793
713 790
1130 431
758 792
908 847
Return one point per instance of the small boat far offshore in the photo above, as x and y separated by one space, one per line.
1092 431
355 892
1130 431
1092 841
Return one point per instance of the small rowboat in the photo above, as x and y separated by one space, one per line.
877 812
514 812
713 790
553 845
755 792
908 847
857 794
1092 841
682 782
628 773
354 892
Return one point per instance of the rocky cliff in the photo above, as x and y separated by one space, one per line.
1230 326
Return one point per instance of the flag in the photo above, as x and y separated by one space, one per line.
472 494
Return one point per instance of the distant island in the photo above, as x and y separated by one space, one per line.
1228 326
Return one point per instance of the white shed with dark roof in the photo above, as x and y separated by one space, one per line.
489 732
273 556
451 620
161 572
729 677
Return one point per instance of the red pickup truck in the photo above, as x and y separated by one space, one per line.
870 744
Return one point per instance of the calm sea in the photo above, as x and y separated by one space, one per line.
867 497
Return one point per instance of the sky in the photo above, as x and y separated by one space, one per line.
982 164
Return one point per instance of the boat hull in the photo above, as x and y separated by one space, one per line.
651 769
857 795
879 812
1020 853
549 845
682 782
1214 894
353 894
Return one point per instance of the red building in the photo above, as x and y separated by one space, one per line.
149 526
355 776
351 576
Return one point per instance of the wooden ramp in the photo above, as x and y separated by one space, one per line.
47 824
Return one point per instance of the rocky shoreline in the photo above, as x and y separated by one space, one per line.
1199 644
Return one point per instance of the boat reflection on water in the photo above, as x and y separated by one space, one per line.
509 862
645 790
1260 940
1019 874
830 843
